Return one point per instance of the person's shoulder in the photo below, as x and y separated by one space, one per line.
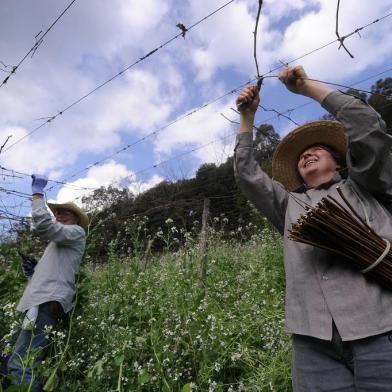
80 230
75 232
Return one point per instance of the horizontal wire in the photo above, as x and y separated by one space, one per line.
232 91
36 45
71 186
201 147
349 87
211 142
154 133
51 118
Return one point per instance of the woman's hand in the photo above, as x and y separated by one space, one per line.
297 81
249 97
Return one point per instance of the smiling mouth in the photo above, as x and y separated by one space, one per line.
310 162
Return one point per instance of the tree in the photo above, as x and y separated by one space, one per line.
265 141
383 104
117 211
104 197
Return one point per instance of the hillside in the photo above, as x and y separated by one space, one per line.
143 320
144 326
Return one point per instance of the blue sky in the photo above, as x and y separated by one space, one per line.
95 40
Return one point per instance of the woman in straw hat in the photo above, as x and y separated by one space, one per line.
340 321
49 293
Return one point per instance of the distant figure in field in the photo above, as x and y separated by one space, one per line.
49 293
341 322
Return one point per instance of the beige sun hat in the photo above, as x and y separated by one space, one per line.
285 158
84 221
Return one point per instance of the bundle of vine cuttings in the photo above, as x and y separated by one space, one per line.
331 226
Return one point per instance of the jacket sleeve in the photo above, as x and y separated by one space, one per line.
268 196
48 229
369 158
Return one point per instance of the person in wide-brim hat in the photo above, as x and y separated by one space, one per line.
330 308
70 206
48 295
325 133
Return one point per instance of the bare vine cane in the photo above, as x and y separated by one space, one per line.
260 78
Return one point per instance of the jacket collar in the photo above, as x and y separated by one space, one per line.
338 176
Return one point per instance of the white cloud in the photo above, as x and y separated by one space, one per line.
139 186
130 103
32 157
143 15
199 128
277 9
109 174
92 43
318 27
218 151
227 41
70 63
224 40
138 106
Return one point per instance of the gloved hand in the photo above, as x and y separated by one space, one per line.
38 184
30 318
28 266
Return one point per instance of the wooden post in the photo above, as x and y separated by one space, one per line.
147 254
203 245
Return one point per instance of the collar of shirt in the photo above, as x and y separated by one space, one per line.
338 176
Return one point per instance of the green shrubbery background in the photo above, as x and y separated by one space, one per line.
146 325
143 321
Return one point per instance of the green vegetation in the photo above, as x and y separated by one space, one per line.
146 325
143 321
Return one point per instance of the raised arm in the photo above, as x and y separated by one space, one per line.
45 226
268 196
369 158
296 80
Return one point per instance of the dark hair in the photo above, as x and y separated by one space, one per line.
337 156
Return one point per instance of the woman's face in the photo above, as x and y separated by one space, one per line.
316 166
66 217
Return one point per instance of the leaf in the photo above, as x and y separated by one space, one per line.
99 366
119 359
143 378
96 369
187 388
140 341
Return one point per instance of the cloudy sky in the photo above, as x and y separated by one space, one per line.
95 40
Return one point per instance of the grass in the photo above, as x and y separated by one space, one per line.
152 328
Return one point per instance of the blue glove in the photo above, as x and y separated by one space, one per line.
38 184
28 266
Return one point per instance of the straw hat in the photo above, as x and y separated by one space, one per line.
75 209
285 158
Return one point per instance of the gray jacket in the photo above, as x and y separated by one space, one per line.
54 275
320 287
